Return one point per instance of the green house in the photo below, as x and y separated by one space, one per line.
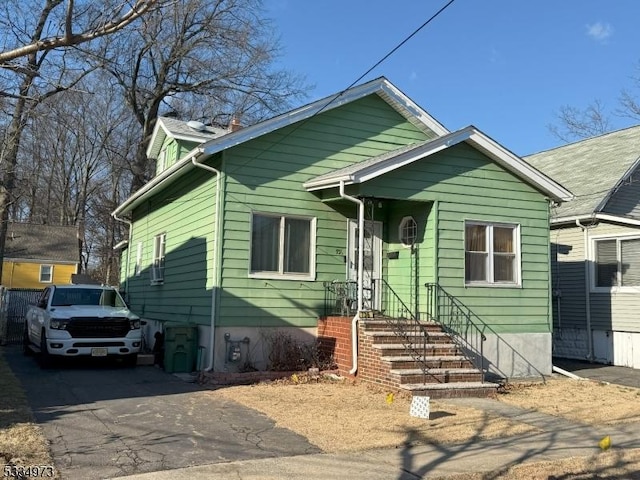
356 203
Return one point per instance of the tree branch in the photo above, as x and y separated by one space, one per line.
71 39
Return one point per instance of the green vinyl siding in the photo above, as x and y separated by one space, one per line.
266 175
407 273
186 213
469 186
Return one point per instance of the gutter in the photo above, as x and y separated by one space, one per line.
217 271
354 322
595 216
587 289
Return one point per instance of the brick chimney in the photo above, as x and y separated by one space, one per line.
235 124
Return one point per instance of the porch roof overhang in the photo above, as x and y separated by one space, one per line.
387 162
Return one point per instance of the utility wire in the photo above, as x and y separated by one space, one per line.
393 50
336 97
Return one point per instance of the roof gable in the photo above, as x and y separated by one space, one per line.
594 170
380 87
377 166
167 127
52 243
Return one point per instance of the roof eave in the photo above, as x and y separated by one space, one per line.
156 183
520 167
571 220
379 86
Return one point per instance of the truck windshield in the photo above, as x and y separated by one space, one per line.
86 296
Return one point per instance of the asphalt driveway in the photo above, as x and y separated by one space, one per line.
105 420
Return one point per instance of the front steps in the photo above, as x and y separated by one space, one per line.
386 360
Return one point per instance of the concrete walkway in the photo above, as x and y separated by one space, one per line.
558 439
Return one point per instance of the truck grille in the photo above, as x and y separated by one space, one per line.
88 327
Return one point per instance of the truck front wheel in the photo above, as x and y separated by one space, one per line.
26 343
45 356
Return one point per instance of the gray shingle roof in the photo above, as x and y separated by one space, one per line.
591 168
30 241
168 126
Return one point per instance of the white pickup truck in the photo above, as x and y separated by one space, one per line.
81 320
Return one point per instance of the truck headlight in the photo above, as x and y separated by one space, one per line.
135 324
59 323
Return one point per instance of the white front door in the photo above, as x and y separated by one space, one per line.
372 261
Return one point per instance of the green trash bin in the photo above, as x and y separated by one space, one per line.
180 347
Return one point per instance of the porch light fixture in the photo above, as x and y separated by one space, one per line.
408 231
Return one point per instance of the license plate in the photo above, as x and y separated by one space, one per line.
98 352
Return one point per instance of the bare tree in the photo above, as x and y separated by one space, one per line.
575 123
33 69
220 52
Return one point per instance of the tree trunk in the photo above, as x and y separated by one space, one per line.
9 159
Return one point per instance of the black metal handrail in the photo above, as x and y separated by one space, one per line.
457 320
340 298
406 325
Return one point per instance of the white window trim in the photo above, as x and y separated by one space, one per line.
403 222
157 273
592 263
138 265
51 274
518 280
311 276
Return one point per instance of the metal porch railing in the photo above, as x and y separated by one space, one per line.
457 320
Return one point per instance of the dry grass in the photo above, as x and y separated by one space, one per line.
343 416
587 401
21 440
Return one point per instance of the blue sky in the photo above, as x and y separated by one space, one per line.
505 66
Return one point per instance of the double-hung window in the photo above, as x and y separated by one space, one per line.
46 273
282 246
157 269
492 255
617 263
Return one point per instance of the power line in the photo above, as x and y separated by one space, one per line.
342 92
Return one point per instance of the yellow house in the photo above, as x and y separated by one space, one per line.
38 255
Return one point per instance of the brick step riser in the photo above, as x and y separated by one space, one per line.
408 364
429 352
437 378
385 327
415 339
458 393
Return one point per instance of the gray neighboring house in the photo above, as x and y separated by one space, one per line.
595 248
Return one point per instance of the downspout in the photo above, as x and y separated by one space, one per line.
216 269
126 271
587 289
354 322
